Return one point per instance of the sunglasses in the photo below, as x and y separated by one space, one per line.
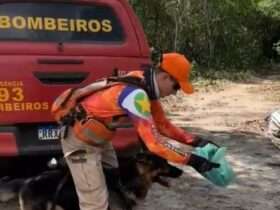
176 86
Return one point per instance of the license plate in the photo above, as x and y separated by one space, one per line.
48 133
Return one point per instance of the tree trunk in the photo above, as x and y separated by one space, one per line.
208 32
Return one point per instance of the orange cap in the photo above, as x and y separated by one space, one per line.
178 66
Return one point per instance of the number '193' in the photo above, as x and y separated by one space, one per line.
14 94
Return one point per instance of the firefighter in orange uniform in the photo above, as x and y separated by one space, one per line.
87 146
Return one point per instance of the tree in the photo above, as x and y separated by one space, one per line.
215 33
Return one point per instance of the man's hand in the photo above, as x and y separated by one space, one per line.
201 142
201 164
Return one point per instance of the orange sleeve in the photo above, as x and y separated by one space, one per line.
136 104
166 128
159 144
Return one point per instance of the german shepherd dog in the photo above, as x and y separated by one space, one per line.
54 189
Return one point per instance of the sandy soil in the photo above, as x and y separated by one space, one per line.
232 115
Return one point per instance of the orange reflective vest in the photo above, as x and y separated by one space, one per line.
148 118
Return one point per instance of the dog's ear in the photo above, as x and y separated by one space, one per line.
141 168
141 157
144 158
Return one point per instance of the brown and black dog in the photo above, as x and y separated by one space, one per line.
55 188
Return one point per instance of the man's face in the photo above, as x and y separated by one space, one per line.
167 84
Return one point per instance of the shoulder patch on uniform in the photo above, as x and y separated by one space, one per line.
137 103
142 103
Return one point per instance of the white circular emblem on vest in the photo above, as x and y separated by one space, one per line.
137 103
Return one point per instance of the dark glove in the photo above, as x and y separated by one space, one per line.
201 142
201 164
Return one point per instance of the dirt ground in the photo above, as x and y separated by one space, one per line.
232 115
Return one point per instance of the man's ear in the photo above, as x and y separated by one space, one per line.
163 75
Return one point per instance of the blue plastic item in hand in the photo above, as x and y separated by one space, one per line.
221 176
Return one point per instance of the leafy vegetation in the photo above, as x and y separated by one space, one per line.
217 34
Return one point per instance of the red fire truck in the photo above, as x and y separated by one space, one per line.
47 47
